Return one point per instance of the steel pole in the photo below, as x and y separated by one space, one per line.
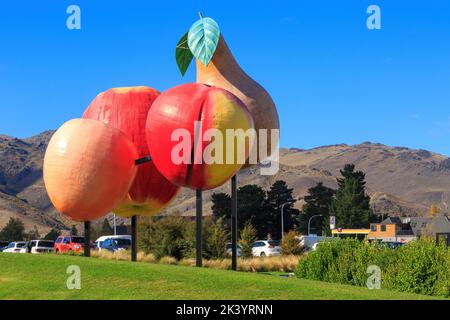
115 233
234 223
309 222
282 219
87 238
134 238
198 239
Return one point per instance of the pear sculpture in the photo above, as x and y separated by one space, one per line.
223 71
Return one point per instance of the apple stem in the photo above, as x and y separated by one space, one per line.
200 15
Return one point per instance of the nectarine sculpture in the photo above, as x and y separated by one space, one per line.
180 109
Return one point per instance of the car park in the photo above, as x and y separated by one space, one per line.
41 246
16 247
262 248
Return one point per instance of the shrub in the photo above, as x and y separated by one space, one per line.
168 260
290 244
149 258
248 237
168 236
216 243
419 267
423 268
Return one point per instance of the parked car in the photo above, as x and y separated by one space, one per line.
41 246
3 245
262 248
392 244
99 242
64 244
315 245
16 247
310 242
113 243
229 249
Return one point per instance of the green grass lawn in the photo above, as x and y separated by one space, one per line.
25 276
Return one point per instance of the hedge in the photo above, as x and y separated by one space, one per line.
421 267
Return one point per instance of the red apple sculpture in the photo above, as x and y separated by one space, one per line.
127 109
88 168
171 124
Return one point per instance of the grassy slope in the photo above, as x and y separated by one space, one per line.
24 276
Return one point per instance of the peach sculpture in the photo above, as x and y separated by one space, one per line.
89 167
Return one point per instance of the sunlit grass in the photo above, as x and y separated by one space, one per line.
26 276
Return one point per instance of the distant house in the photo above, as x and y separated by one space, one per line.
398 229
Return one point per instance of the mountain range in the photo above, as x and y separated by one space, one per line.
400 181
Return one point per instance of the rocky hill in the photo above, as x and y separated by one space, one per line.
401 181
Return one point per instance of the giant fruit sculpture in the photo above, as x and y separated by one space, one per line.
88 168
216 66
223 71
177 110
127 109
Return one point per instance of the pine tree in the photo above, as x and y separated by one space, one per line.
74 231
278 195
221 207
318 202
13 231
33 234
106 228
52 235
351 204
247 238
250 206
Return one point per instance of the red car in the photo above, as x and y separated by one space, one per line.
65 244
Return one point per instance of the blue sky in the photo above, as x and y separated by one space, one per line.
333 80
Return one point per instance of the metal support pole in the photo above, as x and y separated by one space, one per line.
282 219
87 238
234 223
133 238
309 222
198 239
115 232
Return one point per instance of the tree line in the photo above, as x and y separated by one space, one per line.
258 209
262 209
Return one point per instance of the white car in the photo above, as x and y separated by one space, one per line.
16 247
41 246
266 248
104 242
229 251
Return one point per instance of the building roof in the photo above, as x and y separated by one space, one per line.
392 220
420 225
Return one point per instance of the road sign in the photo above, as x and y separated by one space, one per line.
332 222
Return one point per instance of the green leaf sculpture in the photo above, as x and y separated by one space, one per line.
203 38
183 54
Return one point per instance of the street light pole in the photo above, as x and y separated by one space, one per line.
282 219
309 222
